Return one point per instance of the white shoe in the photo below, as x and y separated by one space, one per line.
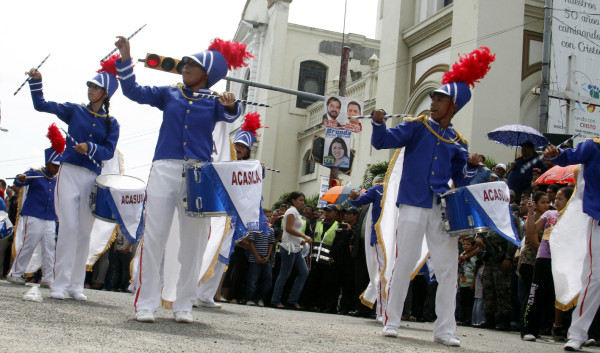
590 343
573 345
78 296
206 304
15 280
261 303
57 295
390 331
184 317
250 303
528 338
379 319
144 316
45 284
448 339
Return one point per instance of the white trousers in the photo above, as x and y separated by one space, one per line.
374 265
208 289
413 224
165 192
36 231
589 297
72 202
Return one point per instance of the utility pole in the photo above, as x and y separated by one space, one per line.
545 86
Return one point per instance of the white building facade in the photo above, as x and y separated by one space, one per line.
417 42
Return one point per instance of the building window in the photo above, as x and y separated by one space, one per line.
312 79
309 165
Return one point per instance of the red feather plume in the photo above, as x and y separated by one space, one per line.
56 138
470 68
251 123
234 52
109 65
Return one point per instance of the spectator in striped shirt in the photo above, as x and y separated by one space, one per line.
259 272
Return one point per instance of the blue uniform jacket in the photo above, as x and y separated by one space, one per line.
588 154
188 122
84 126
374 196
39 202
429 163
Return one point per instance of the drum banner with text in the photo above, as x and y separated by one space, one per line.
127 206
239 186
492 203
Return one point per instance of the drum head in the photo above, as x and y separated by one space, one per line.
120 182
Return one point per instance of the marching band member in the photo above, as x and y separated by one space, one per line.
374 259
40 220
434 154
588 154
185 137
97 134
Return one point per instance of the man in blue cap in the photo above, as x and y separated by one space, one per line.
434 154
40 220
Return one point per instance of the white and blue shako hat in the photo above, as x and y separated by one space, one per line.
53 154
247 133
220 57
107 75
466 72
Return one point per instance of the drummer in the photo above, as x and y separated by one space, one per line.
185 137
97 134
434 154
40 220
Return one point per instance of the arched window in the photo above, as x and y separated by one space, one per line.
312 79
308 164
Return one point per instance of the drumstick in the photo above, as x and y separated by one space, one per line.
385 116
241 101
29 177
76 143
541 156
128 38
273 170
29 78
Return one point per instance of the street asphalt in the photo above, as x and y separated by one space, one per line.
105 323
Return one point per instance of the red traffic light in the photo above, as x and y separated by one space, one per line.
152 60
163 63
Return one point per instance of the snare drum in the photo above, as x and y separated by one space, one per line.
131 190
458 216
201 200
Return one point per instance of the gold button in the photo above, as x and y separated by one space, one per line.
90 135
93 124
49 189
187 111
432 173
438 143
186 127
435 157
190 102
185 143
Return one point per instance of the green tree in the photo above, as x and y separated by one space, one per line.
372 171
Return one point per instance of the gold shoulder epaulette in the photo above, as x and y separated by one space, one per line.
420 118
461 138
597 140
178 85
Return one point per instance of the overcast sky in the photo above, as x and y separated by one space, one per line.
78 34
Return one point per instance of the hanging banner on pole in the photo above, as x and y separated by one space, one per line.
574 69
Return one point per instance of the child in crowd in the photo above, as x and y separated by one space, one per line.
466 285
259 272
